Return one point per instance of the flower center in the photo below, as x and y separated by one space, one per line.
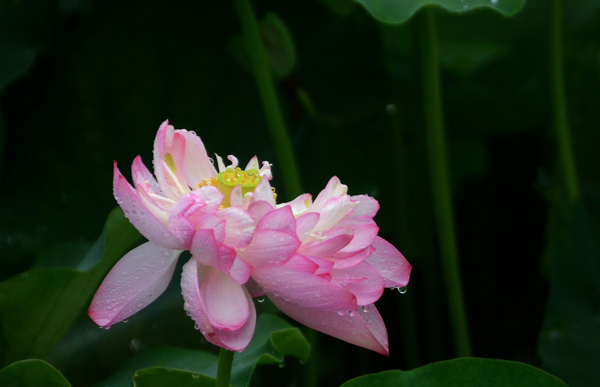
230 178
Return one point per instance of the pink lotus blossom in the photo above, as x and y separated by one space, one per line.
340 269
187 207
320 262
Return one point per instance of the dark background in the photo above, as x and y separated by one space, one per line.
84 83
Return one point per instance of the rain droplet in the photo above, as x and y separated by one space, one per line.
402 290
126 320
195 376
260 299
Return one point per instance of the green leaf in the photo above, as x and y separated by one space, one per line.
464 372
399 11
570 340
38 307
32 373
273 339
160 377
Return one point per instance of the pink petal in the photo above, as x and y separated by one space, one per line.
269 246
192 276
301 263
365 329
363 237
264 192
204 248
325 265
142 175
259 209
240 271
367 206
197 167
303 290
239 226
172 184
214 223
281 219
333 211
253 164
253 288
133 283
141 217
390 263
235 198
346 260
328 246
334 189
225 301
367 290
305 224
300 204
211 196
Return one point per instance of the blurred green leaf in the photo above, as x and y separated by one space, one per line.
65 254
31 373
273 339
399 11
38 307
463 372
570 340
160 377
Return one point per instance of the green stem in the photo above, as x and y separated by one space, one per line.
440 182
560 105
224 368
268 96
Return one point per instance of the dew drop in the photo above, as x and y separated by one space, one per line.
195 376
340 313
402 290
126 320
260 299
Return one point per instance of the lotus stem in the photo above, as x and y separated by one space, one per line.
224 368
440 181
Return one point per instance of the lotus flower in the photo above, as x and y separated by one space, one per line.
188 207
320 262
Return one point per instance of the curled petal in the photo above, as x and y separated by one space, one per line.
225 301
169 153
133 283
214 223
346 260
141 217
333 211
363 237
328 246
192 279
303 290
300 204
390 263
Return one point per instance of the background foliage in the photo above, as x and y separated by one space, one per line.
84 83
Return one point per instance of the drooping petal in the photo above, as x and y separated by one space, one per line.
133 283
141 217
269 246
192 277
367 290
197 165
281 219
303 290
390 263
225 301
239 226
259 209
363 328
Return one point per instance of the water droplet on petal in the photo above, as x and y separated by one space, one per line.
260 299
402 290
